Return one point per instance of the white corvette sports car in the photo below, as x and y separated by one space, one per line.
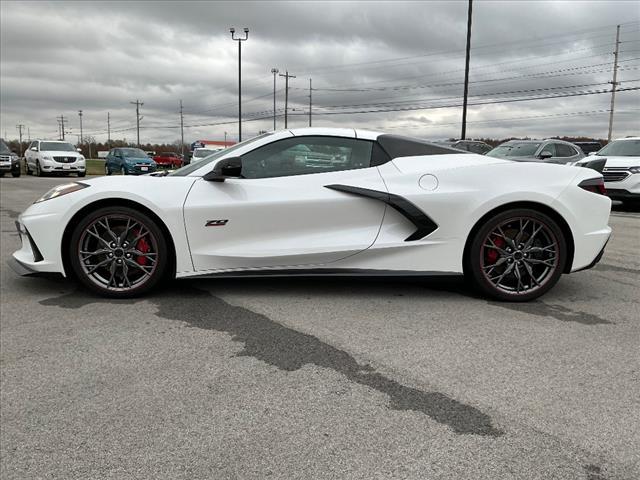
324 202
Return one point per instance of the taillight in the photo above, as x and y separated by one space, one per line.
594 185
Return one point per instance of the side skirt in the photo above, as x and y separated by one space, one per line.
324 272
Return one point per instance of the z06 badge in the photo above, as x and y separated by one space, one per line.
216 223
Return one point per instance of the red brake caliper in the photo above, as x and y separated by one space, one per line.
142 246
492 254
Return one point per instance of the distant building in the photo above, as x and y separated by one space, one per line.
211 144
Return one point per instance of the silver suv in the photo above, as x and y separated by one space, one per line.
549 151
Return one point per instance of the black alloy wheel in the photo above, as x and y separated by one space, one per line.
518 255
118 252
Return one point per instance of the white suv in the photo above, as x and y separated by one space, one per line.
47 156
622 169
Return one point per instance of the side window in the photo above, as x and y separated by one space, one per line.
549 147
306 155
563 150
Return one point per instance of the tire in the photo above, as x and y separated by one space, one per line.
123 171
122 265
15 173
39 172
517 255
107 170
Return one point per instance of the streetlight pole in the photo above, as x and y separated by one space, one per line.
275 72
466 74
239 40
80 115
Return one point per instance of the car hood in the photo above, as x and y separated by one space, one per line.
138 160
58 153
614 161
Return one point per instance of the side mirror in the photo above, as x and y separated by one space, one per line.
228 167
34 149
79 150
545 154
591 154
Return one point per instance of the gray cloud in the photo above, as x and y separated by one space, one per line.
58 57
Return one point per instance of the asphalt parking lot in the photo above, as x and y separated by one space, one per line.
346 378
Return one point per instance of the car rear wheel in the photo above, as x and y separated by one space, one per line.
517 255
118 252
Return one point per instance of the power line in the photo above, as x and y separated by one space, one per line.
574 94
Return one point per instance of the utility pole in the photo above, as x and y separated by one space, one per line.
239 40
28 134
61 123
310 102
286 95
275 72
138 104
225 139
463 135
20 127
181 131
109 130
80 115
614 83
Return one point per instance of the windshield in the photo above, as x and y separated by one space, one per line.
133 153
187 169
3 147
56 147
622 148
203 152
514 150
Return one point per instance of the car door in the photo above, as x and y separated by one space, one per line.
281 214
547 148
30 155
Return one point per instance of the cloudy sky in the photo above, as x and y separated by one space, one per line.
392 66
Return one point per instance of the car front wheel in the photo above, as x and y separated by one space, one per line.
118 252
518 255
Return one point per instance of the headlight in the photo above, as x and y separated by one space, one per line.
62 190
80 158
634 169
47 157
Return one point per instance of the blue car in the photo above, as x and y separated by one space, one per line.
128 161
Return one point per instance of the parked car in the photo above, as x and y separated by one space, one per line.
396 207
128 161
44 157
168 160
548 151
9 161
622 169
200 153
588 147
473 146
